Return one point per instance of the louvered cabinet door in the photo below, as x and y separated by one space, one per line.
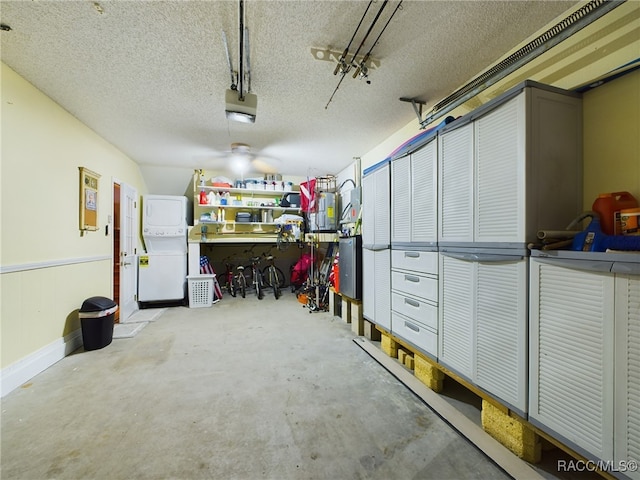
376 287
455 167
456 315
368 210
500 174
401 200
571 356
501 331
382 205
424 194
368 285
382 262
627 426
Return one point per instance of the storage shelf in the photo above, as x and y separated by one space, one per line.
254 207
233 239
233 222
244 190
217 222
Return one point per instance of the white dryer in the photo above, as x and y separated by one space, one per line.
162 270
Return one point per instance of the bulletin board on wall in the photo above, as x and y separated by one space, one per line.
89 182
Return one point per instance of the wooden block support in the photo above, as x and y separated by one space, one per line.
357 321
406 358
410 362
402 355
511 432
389 346
371 332
428 374
334 302
346 310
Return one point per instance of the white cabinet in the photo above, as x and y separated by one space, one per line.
456 315
455 207
414 189
376 287
627 379
483 322
571 355
507 170
414 261
414 298
376 207
376 259
584 333
511 168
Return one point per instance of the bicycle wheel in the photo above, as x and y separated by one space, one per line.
278 274
258 283
242 284
231 286
274 281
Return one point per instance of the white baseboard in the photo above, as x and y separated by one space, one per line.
28 367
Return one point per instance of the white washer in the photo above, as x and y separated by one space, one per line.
162 271
162 277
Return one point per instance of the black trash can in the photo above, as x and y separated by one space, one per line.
97 319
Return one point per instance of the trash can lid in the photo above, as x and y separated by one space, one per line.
95 304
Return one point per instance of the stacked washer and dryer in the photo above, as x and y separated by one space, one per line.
162 270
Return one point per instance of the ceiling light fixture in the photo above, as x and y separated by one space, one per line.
361 67
240 106
240 158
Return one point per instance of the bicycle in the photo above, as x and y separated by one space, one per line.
229 282
273 277
240 281
256 276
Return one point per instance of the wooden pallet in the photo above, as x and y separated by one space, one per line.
349 309
507 427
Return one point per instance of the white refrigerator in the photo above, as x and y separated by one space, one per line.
162 270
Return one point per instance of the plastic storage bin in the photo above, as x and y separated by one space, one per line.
200 290
96 320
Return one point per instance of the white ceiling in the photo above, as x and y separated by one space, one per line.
150 76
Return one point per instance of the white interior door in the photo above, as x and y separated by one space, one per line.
128 250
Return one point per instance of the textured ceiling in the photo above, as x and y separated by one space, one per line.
150 76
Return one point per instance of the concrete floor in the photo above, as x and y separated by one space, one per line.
246 389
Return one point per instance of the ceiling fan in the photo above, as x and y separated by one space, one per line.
240 160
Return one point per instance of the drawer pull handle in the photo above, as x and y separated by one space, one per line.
411 326
412 278
412 254
413 303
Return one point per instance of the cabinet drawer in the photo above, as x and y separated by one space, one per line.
414 284
415 309
424 338
421 262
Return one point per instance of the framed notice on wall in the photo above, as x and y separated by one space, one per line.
88 199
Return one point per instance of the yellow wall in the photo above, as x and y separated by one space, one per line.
48 268
612 138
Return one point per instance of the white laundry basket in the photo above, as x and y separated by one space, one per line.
200 290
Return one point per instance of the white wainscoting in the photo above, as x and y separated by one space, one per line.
25 369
